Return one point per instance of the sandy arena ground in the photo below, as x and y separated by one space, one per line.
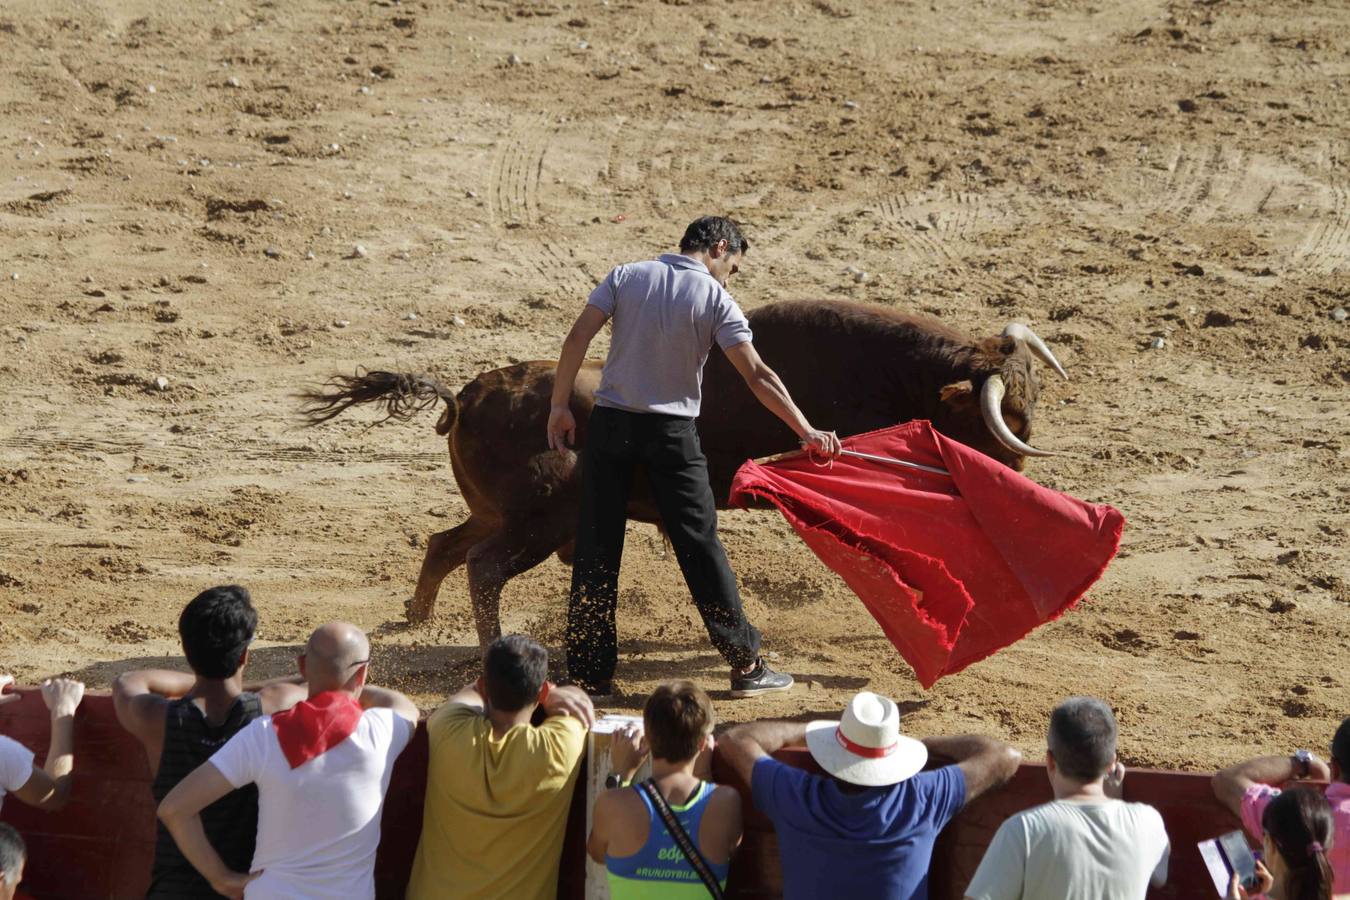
182 187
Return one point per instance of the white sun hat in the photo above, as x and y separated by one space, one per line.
866 747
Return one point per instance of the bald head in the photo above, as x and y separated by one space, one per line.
334 655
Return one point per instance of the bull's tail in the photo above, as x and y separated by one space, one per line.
402 395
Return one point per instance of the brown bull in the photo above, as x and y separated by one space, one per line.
849 367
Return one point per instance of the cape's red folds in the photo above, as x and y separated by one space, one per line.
952 568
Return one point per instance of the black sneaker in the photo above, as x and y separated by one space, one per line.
759 680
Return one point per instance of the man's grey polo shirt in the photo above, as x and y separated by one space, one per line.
666 313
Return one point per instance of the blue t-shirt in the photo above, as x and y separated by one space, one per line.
875 844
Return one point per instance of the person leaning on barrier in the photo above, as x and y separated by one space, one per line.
182 718
628 835
46 787
498 787
322 769
867 827
1087 844
1248 787
1297 831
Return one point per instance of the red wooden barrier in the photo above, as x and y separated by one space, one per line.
101 844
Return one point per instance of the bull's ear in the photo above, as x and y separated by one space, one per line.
959 395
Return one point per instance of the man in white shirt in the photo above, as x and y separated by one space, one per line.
46 787
1087 844
322 769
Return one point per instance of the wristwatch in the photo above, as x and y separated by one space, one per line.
1302 763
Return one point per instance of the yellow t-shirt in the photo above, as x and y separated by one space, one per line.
496 809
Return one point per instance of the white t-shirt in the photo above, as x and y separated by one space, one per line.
1075 850
16 766
319 824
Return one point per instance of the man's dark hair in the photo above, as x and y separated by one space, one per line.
514 669
12 854
216 628
704 233
1340 748
1083 738
677 715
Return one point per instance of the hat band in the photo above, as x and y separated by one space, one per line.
859 750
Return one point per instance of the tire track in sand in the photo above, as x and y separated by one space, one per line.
517 207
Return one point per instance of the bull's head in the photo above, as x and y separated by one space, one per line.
997 420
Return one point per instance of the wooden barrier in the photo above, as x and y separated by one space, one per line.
101 844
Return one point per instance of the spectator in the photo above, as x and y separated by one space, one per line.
498 787
13 855
1087 844
48 787
1297 829
628 835
1249 787
322 769
866 828
181 719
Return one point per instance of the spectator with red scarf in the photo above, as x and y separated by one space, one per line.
1249 787
321 768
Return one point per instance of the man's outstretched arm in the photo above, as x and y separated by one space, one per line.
1232 783
376 698
746 744
985 762
769 389
562 426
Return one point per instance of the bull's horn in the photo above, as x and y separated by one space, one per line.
991 406
1018 331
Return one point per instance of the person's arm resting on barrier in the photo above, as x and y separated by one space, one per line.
49 787
747 744
562 425
769 390
985 762
279 694
627 751
180 812
1231 784
385 698
140 698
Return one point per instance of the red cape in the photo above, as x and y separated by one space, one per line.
953 568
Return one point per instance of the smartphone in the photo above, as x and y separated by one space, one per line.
1227 855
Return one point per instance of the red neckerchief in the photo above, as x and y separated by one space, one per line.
315 726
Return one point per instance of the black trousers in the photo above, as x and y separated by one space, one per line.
668 448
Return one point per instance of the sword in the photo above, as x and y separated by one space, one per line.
870 457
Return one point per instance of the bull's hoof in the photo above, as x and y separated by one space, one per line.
415 612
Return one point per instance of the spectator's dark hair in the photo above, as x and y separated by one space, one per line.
703 233
216 628
1083 738
677 715
1300 823
514 669
1340 748
12 854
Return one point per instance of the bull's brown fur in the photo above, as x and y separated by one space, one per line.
849 367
